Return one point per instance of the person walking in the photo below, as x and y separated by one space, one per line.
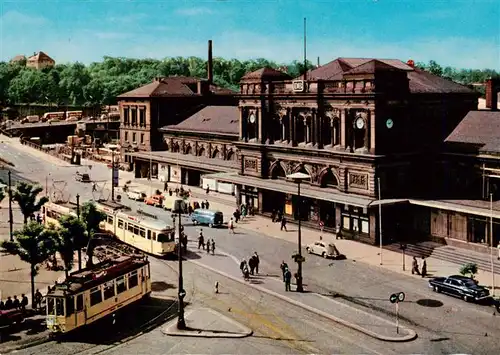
283 224
273 216
24 302
2 305
208 246
8 303
288 280
213 246
283 268
16 304
424 268
203 204
251 263
201 241
338 232
38 299
236 215
414 267
321 226
165 186
230 226
257 261
207 204
242 264
207 189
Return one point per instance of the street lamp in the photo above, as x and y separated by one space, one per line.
298 178
114 176
181 323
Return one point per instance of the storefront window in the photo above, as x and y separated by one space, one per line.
354 219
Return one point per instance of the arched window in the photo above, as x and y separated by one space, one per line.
329 180
231 155
175 148
215 154
278 172
335 129
300 134
201 152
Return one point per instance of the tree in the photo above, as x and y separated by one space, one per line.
92 217
26 197
73 237
33 245
469 269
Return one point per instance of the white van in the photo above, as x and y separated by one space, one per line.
169 202
136 195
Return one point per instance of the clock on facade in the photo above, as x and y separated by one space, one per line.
252 118
360 123
389 123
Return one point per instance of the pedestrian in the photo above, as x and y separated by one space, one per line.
24 302
165 186
208 246
185 242
273 216
243 211
38 299
338 232
251 263
94 187
2 305
424 267
321 226
207 189
213 246
16 304
201 241
236 215
414 267
288 280
242 264
283 224
283 268
8 303
207 204
280 216
257 262
246 273
203 204
39 218
230 226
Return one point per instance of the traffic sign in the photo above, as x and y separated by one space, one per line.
182 293
393 298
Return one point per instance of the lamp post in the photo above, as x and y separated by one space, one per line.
298 178
113 174
380 218
181 323
491 248
10 208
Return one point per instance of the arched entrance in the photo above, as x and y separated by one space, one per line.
328 179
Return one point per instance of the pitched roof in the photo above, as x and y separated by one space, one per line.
480 128
266 74
40 56
173 86
18 58
420 80
211 119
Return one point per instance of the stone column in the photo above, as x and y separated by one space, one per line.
292 129
260 132
242 129
333 131
343 128
372 131
319 130
314 128
366 142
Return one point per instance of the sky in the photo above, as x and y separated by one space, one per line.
457 33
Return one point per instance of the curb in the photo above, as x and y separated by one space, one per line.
209 334
410 336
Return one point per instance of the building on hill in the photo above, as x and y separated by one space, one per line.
40 60
18 59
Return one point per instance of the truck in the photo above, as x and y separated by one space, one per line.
170 201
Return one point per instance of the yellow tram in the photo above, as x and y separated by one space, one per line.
138 229
93 293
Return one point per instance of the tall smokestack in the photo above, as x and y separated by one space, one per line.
492 89
210 65
318 63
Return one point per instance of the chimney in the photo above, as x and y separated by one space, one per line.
492 89
210 66
318 64
411 63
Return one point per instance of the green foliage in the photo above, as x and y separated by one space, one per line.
34 245
26 197
72 236
468 269
92 217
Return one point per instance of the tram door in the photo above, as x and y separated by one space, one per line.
80 310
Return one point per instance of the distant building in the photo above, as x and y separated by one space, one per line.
18 58
40 60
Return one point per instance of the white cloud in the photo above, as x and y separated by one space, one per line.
194 11
16 18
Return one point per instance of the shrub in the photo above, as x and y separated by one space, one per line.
469 269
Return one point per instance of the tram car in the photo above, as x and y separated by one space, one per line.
53 211
96 292
136 228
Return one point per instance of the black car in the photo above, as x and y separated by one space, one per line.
460 286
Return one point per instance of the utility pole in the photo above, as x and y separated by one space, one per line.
112 175
78 216
11 222
380 218
181 323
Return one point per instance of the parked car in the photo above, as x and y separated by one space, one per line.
326 250
155 200
136 195
209 217
170 201
459 286
82 177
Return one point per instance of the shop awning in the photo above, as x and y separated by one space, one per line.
187 161
388 202
462 207
291 188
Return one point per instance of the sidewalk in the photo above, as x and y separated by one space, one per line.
360 252
354 318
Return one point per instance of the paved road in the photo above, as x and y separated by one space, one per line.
444 324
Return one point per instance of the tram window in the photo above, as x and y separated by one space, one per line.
154 235
120 284
163 238
79 303
136 230
70 305
50 305
142 232
59 307
131 228
110 219
95 296
149 234
132 279
109 289
120 223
